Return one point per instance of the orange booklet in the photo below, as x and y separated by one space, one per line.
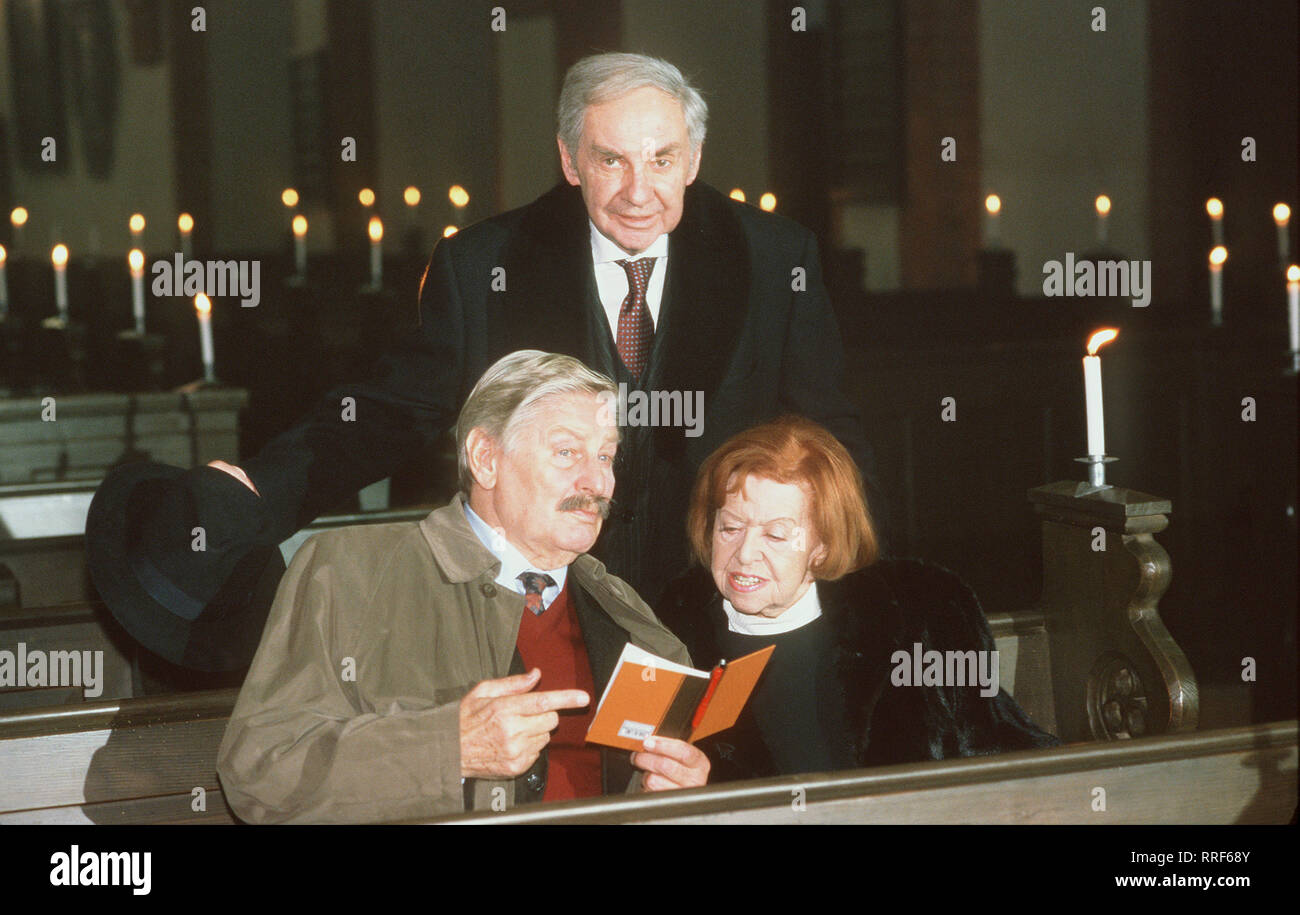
652 695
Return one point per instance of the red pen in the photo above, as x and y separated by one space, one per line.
714 678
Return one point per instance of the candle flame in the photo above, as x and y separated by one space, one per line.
1103 204
993 203
458 196
1100 339
59 255
19 216
1214 206
411 195
366 196
1292 274
202 303
136 260
300 225
289 197
1218 254
737 194
136 223
4 255
185 222
767 202
449 231
1281 213
376 229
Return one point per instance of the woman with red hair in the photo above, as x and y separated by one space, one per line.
779 521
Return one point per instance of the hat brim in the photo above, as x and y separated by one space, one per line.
223 634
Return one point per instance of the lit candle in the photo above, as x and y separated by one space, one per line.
185 224
136 224
449 231
458 196
737 194
1092 391
300 244
376 230
59 255
1218 254
367 197
412 196
1281 216
1214 206
289 197
18 217
1103 212
767 202
4 285
1292 312
135 260
993 206
203 305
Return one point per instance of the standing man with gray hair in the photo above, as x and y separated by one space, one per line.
416 669
678 293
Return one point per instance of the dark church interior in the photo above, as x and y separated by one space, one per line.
326 147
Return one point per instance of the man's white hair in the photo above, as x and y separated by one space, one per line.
603 77
510 394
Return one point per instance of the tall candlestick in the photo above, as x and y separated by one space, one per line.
203 305
300 244
185 225
1103 213
1218 255
993 206
1214 206
1092 391
376 230
59 255
18 218
135 259
1282 216
4 284
1293 313
136 224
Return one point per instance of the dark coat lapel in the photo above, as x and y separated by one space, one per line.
604 640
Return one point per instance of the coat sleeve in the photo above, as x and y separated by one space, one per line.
812 374
302 746
410 400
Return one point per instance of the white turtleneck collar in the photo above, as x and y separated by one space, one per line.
800 613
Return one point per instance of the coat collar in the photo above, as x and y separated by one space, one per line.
456 548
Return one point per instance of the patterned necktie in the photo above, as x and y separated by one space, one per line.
635 329
534 584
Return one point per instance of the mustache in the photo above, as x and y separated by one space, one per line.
598 504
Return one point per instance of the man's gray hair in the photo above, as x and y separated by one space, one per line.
603 77
510 393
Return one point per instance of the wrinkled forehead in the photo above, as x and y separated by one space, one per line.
640 120
758 499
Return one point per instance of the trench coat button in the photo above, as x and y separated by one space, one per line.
535 781
489 589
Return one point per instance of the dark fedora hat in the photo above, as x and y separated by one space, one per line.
175 556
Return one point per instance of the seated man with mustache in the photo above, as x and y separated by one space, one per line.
416 669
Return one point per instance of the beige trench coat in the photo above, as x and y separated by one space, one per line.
350 712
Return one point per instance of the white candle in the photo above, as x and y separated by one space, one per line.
1218 255
1292 311
59 255
993 205
4 284
1214 206
1092 391
1281 216
376 230
1103 211
203 305
135 259
185 225
300 244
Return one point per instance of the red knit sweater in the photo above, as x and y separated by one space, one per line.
553 642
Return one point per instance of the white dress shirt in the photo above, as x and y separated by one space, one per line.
513 561
800 613
611 279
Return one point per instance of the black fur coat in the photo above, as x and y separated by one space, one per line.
875 612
